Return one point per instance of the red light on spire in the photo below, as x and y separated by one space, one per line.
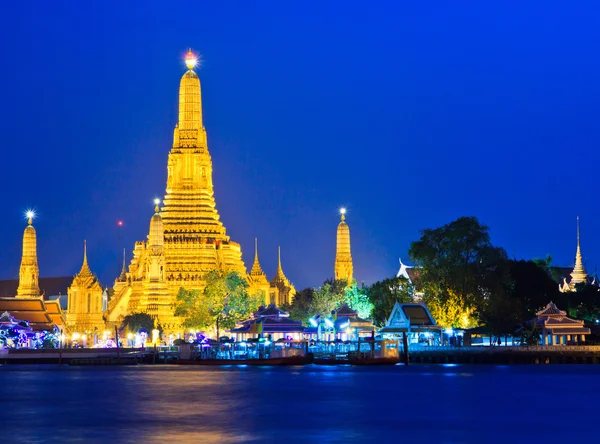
120 223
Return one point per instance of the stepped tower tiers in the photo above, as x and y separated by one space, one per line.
281 290
187 238
29 271
195 238
84 314
343 257
578 275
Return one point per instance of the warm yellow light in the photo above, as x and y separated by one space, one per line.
129 335
155 336
191 60
75 336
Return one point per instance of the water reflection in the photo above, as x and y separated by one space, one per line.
300 404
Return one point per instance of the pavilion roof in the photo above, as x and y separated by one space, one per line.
271 310
551 310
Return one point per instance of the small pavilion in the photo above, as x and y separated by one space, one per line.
269 321
344 324
413 319
556 328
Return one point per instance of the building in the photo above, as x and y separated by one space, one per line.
269 322
186 239
343 269
556 328
27 302
414 320
85 294
578 275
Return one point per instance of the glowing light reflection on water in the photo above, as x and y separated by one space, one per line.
299 404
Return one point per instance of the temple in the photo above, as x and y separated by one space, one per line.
29 271
186 239
556 328
578 275
85 295
29 304
343 258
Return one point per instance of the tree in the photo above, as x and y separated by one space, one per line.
223 302
533 287
384 295
135 322
190 305
457 265
324 301
300 307
358 300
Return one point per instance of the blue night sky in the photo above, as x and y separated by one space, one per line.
410 114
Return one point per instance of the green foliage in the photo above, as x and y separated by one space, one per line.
135 322
457 264
530 335
326 298
189 304
533 287
300 308
383 295
358 300
224 301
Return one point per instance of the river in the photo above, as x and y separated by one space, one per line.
416 404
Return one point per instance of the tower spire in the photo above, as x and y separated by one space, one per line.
279 268
123 274
85 252
256 268
85 269
579 274
29 271
343 268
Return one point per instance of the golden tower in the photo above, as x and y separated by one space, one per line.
29 271
282 291
84 314
187 238
343 258
579 274
257 279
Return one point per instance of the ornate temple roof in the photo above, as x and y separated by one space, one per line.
551 310
280 279
257 274
271 311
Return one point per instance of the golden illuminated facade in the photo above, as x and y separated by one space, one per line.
343 258
281 290
29 271
578 275
187 238
84 312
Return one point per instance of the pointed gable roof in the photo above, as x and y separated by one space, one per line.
551 310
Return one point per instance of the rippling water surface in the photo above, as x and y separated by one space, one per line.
418 404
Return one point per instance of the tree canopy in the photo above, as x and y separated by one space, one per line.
223 302
457 264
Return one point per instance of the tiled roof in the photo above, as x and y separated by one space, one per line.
345 310
271 310
417 314
551 310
